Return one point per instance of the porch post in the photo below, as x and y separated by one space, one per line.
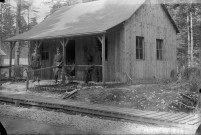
103 58
102 40
64 44
12 45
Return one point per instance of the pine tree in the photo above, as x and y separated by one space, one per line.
18 25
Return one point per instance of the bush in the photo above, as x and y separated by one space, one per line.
187 102
173 74
191 72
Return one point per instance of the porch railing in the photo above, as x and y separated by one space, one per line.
64 72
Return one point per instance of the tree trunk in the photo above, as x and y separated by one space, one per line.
17 47
1 35
29 48
191 33
188 31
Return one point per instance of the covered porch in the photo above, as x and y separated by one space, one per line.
81 53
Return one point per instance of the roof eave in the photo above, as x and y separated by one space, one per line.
171 20
59 36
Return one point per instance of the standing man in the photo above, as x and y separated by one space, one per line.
58 62
36 63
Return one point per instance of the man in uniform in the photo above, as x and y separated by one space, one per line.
36 63
58 62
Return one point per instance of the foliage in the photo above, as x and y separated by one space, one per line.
188 101
179 12
9 20
142 97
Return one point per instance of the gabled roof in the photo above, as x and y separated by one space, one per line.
83 19
2 53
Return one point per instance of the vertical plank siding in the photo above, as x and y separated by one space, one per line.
151 22
117 54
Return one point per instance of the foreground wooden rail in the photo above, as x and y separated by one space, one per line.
181 120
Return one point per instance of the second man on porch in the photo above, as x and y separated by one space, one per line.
36 63
58 62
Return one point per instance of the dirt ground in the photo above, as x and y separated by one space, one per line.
17 125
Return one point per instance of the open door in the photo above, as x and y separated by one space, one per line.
70 53
45 60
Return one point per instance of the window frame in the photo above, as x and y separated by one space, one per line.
140 48
159 49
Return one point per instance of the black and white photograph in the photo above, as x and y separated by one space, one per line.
127 67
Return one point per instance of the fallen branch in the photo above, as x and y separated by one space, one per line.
191 107
68 94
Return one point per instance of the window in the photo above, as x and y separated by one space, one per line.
159 49
44 52
140 48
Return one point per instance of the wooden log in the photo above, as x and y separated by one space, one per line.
69 94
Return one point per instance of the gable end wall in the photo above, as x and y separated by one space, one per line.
150 22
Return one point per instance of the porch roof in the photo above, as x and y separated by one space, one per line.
2 53
82 19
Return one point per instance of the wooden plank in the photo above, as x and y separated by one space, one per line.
184 118
195 121
160 116
187 120
174 116
179 116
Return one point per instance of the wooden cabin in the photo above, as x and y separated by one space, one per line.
138 38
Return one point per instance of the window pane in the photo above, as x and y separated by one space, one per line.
159 49
141 54
161 56
140 43
139 48
137 54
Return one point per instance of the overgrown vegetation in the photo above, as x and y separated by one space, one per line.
188 101
174 96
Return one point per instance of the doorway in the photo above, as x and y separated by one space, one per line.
70 52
